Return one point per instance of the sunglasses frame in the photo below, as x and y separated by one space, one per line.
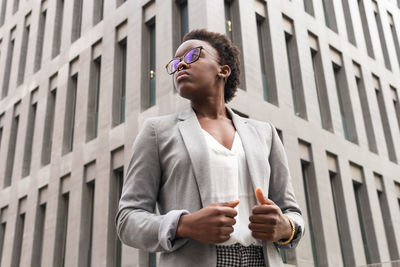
183 58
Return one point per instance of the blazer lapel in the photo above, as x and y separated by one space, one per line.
252 146
198 152
197 149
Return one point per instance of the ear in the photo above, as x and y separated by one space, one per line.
225 70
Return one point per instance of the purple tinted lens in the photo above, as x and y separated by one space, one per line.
174 64
190 56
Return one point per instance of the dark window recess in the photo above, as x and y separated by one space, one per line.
30 130
330 17
364 23
11 151
342 222
93 100
385 123
49 127
70 109
40 41
313 214
119 82
382 37
61 230
349 22
309 7
346 111
266 59
23 54
233 31
369 129
98 11
9 61
76 20
322 93
18 239
365 217
58 25
39 235
3 12
296 82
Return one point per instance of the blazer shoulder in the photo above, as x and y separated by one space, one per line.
261 125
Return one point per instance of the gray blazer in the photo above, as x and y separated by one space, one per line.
168 166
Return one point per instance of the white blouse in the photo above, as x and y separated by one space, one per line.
230 180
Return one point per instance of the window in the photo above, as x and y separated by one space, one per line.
15 7
296 82
77 20
3 224
87 212
381 35
24 50
9 60
148 93
397 190
70 108
329 12
117 180
30 130
394 36
39 232
40 36
62 222
3 12
342 221
396 104
384 119
233 31
19 233
11 146
58 25
386 217
1 133
349 23
364 23
342 90
314 219
309 7
98 11
320 84
362 94
49 121
119 91
94 93
266 56
364 215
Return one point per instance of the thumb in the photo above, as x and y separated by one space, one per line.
231 204
260 197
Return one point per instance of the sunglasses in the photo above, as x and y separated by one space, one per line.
189 57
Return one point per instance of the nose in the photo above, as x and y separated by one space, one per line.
182 64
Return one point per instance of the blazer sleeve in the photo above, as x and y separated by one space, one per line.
281 189
137 223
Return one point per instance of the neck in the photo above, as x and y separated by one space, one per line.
211 108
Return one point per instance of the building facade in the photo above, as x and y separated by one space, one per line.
78 78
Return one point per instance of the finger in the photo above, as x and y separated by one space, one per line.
231 204
227 211
226 230
264 219
265 209
262 236
260 197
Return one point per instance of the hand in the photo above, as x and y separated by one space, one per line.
267 221
212 224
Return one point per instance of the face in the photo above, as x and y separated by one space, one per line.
199 78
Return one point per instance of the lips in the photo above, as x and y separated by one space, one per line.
182 74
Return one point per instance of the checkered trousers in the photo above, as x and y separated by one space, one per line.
238 255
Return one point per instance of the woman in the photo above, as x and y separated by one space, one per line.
202 166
